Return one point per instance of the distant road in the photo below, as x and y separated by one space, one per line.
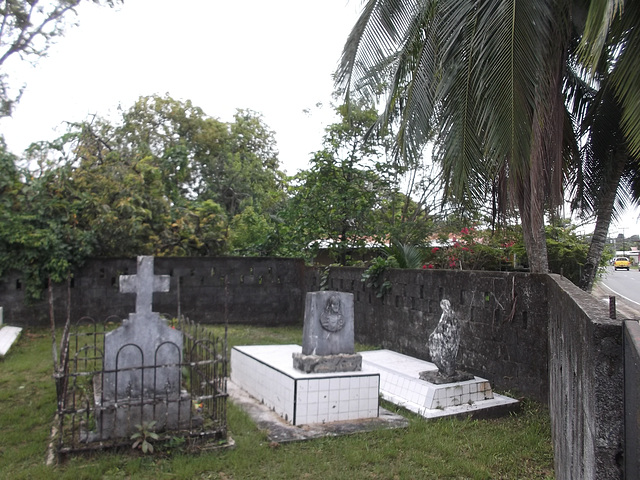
623 285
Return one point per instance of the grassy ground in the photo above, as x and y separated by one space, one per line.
518 446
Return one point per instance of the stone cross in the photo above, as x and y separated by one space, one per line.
143 284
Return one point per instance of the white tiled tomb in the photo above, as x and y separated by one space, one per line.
266 372
400 384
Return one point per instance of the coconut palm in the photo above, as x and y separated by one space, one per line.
613 29
490 77
606 176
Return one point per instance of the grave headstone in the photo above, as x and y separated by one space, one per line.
141 361
328 334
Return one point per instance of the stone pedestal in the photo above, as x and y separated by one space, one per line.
327 363
439 379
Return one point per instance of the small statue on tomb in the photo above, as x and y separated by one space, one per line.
332 319
443 347
444 341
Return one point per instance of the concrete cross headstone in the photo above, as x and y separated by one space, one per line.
142 361
143 284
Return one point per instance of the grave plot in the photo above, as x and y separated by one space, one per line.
143 376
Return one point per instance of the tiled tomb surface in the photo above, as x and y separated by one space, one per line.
400 384
266 372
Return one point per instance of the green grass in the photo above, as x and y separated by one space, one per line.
517 446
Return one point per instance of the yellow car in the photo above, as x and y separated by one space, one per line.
621 262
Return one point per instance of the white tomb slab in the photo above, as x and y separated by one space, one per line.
266 373
401 385
8 336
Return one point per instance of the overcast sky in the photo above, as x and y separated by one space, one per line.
275 57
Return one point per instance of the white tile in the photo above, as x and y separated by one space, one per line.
334 396
312 396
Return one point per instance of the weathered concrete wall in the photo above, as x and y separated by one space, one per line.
586 384
259 291
632 400
503 319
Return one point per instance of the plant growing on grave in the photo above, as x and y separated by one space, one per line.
143 437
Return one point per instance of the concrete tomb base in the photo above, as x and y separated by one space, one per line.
266 373
400 384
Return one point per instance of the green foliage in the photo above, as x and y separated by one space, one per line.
406 256
144 436
337 202
39 231
567 252
373 277
166 180
250 233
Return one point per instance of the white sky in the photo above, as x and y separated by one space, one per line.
275 57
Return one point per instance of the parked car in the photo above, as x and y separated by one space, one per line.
621 262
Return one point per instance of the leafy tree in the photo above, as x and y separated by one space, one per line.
234 165
336 201
28 29
250 234
39 231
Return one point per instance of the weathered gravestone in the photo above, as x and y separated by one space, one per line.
328 334
141 378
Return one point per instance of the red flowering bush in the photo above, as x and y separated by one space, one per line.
469 250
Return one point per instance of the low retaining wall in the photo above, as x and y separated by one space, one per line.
632 399
586 379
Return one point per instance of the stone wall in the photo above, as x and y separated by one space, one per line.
503 319
258 291
586 379
632 399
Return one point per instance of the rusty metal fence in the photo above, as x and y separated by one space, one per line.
195 413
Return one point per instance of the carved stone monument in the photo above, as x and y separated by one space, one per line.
443 347
328 334
141 378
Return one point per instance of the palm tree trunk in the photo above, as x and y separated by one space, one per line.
603 221
533 233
